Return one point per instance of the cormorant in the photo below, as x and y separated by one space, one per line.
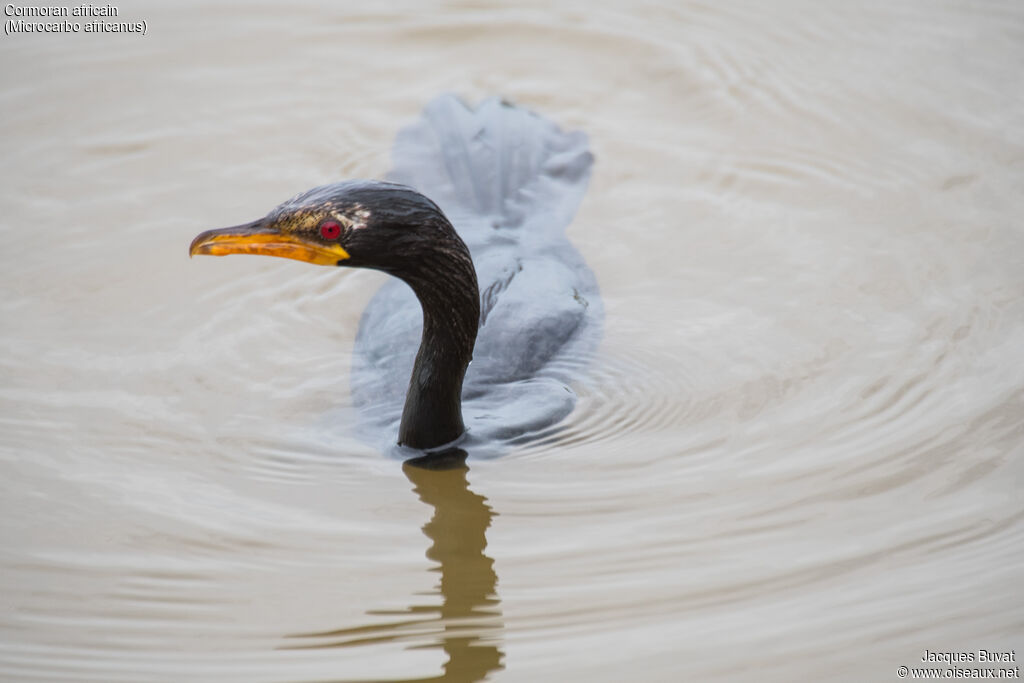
524 307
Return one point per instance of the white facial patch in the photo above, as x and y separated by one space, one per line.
361 215
355 219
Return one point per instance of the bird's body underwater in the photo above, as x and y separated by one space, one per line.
507 291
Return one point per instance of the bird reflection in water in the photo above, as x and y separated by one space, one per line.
467 623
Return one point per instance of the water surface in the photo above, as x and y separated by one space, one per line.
798 455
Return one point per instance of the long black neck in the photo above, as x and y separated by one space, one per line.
444 280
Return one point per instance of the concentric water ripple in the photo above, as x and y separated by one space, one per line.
796 452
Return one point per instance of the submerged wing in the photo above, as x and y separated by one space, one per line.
510 182
496 166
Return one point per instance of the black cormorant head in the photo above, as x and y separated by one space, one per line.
369 224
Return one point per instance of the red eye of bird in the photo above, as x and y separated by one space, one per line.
330 230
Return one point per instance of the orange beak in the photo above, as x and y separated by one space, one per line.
255 238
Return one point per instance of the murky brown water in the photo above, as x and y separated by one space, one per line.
799 456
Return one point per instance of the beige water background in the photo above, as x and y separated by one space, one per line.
799 455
